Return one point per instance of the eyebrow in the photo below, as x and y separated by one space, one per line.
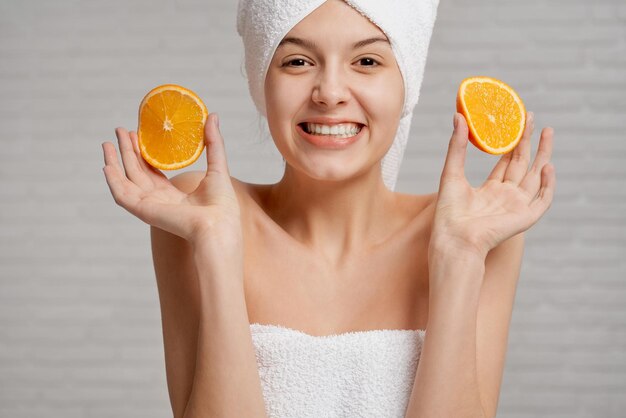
313 46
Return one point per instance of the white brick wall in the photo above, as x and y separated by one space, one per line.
80 331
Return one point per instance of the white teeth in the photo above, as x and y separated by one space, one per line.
344 130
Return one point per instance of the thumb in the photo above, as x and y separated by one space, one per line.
215 149
457 149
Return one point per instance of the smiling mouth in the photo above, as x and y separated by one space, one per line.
342 130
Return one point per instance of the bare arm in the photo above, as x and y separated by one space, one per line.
177 284
450 379
226 381
446 382
197 244
193 317
474 262
209 356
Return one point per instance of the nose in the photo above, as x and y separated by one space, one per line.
330 88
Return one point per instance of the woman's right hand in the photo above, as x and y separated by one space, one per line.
212 208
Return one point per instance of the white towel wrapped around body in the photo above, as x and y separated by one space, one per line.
363 374
408 24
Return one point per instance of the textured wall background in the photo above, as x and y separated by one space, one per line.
80 331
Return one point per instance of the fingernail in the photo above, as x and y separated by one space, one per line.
456 120
217 120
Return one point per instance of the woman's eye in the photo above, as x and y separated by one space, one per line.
300 62
368 62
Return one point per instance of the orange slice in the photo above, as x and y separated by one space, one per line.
495 114
171 127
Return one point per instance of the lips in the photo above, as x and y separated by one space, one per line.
329 141
303 124
329 121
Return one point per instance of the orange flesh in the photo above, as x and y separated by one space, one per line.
495 114
171 127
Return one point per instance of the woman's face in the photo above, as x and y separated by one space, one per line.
320 74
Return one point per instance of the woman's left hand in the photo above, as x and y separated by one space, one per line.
510 201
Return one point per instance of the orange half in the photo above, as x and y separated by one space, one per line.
495 114
171 127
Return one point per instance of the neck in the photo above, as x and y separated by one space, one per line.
336 219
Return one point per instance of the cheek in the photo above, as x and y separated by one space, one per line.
274 96
282 99
394 95
283 94
385 99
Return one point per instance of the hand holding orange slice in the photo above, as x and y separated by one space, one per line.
495 114
171 127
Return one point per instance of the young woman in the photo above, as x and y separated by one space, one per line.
329 256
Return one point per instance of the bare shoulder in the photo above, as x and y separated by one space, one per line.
188 181
430 200
192 178
423 200
418 205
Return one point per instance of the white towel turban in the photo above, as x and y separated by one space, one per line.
408 24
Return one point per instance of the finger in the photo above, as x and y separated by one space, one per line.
123 190
152 172
500 169
520 156
532 180
134 172
454 167
544 198
215 149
